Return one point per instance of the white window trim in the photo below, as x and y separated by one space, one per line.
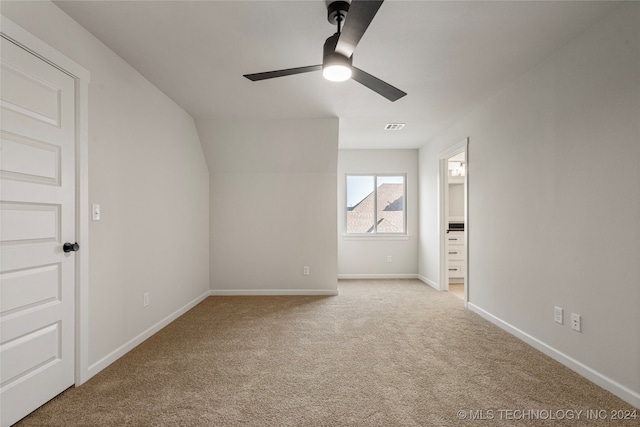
372 236
376 235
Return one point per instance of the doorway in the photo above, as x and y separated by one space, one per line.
453 221
44 177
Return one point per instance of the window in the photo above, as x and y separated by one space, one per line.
381 211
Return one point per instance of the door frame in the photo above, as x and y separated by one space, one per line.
21 37
443 197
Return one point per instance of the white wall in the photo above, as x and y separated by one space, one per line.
147 170
360 257
456 200
554 203
273 204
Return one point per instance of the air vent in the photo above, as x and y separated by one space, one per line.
394 126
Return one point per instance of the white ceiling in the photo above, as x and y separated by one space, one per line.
449 56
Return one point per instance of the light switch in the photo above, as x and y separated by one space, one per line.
95 212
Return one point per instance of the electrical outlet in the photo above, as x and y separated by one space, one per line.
145 299
576 322
389 259
305 270
558 315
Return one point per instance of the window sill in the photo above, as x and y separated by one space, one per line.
375 237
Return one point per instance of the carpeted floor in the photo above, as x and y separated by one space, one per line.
382 353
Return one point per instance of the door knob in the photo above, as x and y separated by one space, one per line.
70 247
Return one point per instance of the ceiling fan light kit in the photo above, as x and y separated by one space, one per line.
335 66
336 72
338 49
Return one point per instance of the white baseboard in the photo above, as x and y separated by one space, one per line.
137 340
266 292
377 276
630 396
429 282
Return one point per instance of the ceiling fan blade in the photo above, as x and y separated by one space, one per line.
375 84
282 73
361 13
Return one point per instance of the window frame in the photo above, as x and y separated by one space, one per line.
375 234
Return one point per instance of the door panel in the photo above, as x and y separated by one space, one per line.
30 352
24 92
28 288
43 166
29 223
37 215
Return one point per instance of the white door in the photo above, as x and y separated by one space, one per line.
37 216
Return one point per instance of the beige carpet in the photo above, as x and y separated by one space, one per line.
382 353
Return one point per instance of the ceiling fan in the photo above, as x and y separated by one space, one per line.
338 49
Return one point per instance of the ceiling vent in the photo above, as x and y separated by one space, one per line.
394 126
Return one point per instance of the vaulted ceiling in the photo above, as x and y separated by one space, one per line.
449 56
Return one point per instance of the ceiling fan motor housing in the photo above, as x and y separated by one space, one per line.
331 57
